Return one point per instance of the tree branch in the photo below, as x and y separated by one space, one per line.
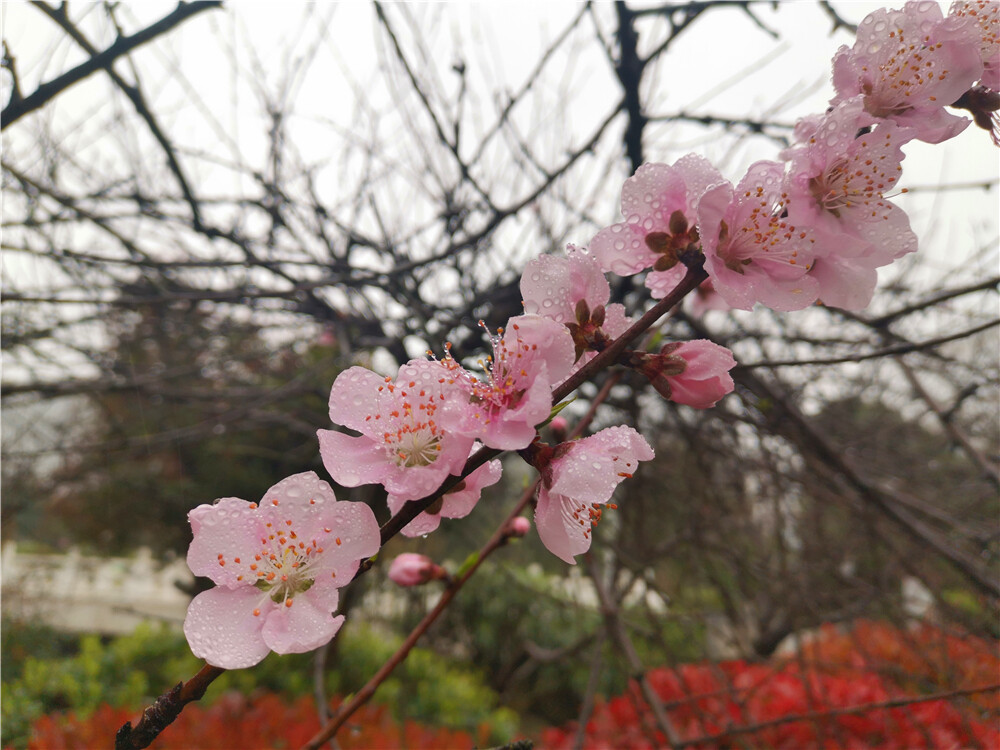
18 107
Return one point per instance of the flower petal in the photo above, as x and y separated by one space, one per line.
559 528
221 629
352 461
300 628
222 533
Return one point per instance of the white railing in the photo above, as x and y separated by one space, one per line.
80 593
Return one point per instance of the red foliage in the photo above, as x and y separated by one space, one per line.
234 721
924 658
829 687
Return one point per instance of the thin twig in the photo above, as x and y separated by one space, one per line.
612 615
19 106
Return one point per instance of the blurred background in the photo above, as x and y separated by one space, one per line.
209 212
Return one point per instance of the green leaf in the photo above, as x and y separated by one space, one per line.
471 560
555 410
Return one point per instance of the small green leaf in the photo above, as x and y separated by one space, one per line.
467 565
555 410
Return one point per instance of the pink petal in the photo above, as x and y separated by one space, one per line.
616 322
552 286
354 397
621 249
662 283
349 533
221 629
706 379
301 499
422 525
458 504
593 467
455 504
300 628
550 342
352 461
848 284
223 532
558 527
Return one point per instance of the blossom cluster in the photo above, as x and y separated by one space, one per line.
813 227
816 225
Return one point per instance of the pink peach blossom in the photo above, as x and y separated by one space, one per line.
581 476
456 503
277 567
552 286
909 65
840 175
574 292
403 445
503 409
986 16
659 205
753 251
410 569
695 373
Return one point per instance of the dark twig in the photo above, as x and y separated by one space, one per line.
20 106
167 707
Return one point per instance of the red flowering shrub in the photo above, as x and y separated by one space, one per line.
923 659
233 721
828 698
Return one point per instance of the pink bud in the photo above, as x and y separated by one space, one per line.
559 427
520 526
705 379
695 373
410 569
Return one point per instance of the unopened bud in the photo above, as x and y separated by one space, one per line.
520 526
559 427
410 569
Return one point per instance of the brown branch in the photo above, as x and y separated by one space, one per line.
616 626
838 21
20 106
980 286
167 707
823 453
629 68
414 508
889 351
989 469
134 93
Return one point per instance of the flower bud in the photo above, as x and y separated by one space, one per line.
559 427
410 569
519 527
695 373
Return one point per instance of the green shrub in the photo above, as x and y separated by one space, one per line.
130 671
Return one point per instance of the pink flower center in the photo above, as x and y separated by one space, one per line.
763 232
506 375
285 564
905 70
410 434
857 180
